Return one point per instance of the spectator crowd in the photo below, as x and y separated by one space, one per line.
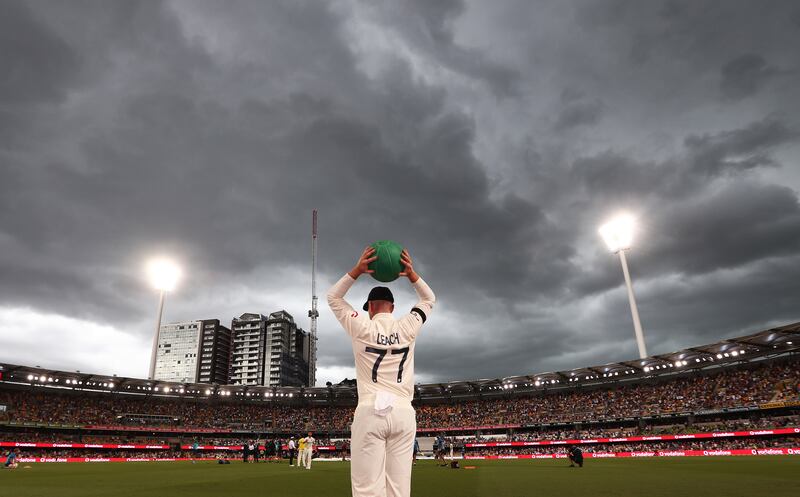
556 415
725 389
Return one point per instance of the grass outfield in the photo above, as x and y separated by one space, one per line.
698 477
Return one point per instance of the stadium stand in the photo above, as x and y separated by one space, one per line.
747 397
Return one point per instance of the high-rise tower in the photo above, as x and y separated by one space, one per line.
313 313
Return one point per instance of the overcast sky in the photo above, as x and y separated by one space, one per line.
490 138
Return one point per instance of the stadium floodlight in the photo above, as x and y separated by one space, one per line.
164 275
618 235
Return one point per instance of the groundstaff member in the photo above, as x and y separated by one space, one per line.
575 456
195 451
438 450
11 460
384 423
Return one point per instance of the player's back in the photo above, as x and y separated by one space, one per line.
384 355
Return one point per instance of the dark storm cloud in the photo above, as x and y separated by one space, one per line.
37 65
576 110
745 75
738 150
705 158
211 131
428 25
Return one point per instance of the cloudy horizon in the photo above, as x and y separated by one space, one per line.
490 139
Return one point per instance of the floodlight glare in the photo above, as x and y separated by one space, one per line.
618 232
163 274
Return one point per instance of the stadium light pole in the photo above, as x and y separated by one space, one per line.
164 275
618 235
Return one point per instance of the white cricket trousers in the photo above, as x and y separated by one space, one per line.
382 451
308 454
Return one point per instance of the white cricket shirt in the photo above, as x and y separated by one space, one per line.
383 347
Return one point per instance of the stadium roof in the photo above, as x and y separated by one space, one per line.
768 343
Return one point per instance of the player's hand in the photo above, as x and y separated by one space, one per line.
405 260
362 266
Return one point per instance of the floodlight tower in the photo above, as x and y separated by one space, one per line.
164 275
313 313
618 235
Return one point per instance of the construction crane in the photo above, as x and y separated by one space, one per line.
313 313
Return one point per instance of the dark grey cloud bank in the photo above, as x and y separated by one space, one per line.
491 141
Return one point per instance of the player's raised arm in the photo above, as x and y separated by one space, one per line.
343 311
427 299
